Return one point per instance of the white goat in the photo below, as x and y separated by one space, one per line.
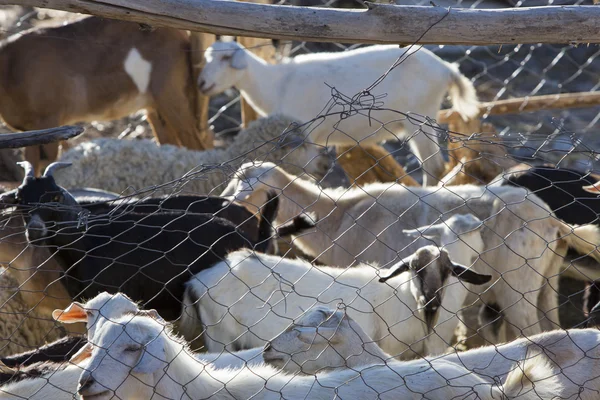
460 236
524 242
109 307
139 359
249 298
324 339
302 88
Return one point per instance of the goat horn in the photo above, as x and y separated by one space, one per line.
26 165
56 166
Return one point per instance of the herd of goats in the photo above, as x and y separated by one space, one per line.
371 307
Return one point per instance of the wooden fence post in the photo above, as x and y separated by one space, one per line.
199 43
265 50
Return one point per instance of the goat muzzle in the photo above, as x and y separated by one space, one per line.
36 228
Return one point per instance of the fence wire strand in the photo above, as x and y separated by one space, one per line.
284 264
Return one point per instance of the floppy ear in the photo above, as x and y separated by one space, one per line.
74 313
239 60
594 188
470 222
414 233
152 357
396 269
465 274
433 232
84 353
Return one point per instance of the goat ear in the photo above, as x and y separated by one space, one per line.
72 314
314 335
152 313
465 274
152 357
239 59
594 188
414 233
432 232
395 270
84 353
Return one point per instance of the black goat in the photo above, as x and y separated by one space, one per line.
562 189
220 207
149 257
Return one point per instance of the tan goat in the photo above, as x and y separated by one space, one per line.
99 69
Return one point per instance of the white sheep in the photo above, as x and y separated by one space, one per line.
139 358
120 165
249 298
23 328
524 242
302 88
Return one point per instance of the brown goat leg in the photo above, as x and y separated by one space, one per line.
160 130
41 156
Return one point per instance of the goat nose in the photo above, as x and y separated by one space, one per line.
201 83
268 347
85 384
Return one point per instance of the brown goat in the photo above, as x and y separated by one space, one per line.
99 69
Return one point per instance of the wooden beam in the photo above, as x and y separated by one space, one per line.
380 23
43 136
199 43
520 105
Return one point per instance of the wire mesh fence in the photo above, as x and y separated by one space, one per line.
302 259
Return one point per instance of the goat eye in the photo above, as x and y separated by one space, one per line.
132 349
226 58
56 198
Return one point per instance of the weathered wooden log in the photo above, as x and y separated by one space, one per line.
42 136
380 23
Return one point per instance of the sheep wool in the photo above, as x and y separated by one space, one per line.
129 165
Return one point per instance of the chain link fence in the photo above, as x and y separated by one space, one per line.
288 264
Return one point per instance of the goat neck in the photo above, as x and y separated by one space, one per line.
258 84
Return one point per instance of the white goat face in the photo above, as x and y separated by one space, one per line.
225 62
249 180
313 343
123 363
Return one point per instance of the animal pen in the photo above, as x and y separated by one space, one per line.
299 199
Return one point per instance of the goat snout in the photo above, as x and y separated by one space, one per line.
36 228
204 88
85 383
